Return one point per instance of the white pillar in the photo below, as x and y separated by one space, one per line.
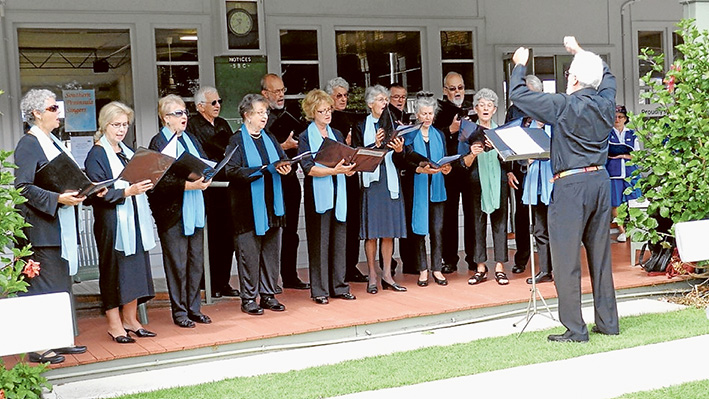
698 10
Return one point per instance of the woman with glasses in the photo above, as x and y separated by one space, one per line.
381 200
51 214
426 192
257 206
325 199
123 227
485 193
178 209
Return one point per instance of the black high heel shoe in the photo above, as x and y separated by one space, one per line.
441 281
372 289
141 332
392 286
478 277
122 339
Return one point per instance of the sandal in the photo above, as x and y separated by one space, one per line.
501 278
478 277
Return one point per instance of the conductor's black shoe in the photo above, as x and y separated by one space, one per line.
597 330
271 303
200 318
565 337
228 291
541 278
348 296
296 284
447 268
356 277
250 306
517 269
46 357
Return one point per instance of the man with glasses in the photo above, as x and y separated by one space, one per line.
397 103
449 124
273 89
579 212
213 134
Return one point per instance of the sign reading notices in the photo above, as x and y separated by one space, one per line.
80 110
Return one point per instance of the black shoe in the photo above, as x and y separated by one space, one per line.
438 281
251 307
321 300
70 350
296 284
356 277
142 333
565 337
517 269
185 323
348 296
393 286
597 330
448 268
541 278
122 339
200 318
228 291
45 357
372 289
271 303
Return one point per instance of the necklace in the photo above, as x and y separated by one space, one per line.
255 136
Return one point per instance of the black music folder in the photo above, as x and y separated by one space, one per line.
332 152
273 165
422 161
449 111
62 175
345 120
517 143
284 124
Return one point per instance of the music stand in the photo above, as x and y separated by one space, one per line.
532 307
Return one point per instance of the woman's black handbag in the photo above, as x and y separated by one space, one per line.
660 257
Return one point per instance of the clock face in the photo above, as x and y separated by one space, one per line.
240 22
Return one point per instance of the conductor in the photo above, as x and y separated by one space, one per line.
579 211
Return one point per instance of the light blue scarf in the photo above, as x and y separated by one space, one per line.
65 214
323 187
193 200
125 217
419 218
258 196
370 135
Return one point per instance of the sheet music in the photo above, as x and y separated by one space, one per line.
519 141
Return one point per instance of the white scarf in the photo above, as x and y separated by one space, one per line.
65 213
125 218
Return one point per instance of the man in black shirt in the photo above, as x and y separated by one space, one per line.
273 89
213 134
579 211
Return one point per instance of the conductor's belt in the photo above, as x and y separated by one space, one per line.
570 172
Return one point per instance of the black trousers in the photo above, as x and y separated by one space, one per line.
580 212
521 220
326 238
354 209
292 195
454 185
475 225
221 235
258 263
435 234
407 247
183 260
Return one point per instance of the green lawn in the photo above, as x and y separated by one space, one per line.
435 363
689 390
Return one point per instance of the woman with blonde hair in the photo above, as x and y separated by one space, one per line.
123 227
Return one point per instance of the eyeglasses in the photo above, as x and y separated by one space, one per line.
118 125
179 113
454 88
52 108
398 97
214 103
278 91
325 111
262 113
341 95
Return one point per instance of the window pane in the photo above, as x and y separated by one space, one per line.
466 70
300 79
365 58
456 45
182 80
174 44
299 45
651 40
676 39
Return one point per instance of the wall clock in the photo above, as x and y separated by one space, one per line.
240 22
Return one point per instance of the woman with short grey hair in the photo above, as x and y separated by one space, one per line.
382 215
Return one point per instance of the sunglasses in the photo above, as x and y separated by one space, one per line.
341 95
214 103
179 113
52 108
454 88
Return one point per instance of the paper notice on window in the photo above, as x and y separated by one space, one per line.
519 141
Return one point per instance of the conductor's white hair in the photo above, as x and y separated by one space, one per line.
588 69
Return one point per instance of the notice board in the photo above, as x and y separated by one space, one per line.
235 77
